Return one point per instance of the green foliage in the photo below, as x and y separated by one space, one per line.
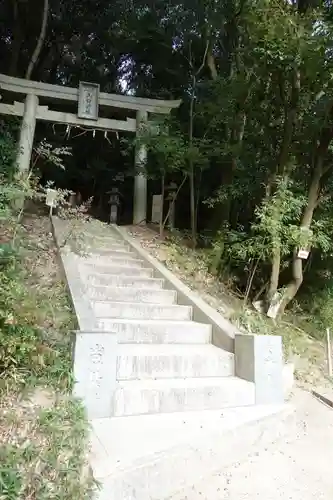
256 89
19 349
7 255
277 223
7 150
52 155
24 352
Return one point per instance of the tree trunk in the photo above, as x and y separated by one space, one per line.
191 170
172 205
162 213
211 64
193 207
290 121
38 48
282 165
313 196
275 274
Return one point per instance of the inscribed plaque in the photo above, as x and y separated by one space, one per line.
88 101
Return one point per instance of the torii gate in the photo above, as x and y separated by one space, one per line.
89 98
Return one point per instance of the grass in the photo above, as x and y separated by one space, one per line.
43 430
302 344
41 457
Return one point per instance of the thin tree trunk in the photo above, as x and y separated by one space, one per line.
161 213
290 121
211 63
193 208
284 157
192 205
275 274
171 206
38 48
191 170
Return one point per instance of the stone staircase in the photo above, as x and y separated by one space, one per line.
165 362
163 401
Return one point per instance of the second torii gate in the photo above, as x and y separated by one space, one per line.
89 99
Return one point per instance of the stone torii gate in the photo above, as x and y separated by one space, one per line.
89 99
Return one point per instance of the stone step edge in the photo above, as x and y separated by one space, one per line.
126 276
116 252
183 383
136 289
107 259
109 269
161 348
139 306
95 293
119 263
120 277
146 321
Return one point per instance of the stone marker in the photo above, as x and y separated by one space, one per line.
95 364
259 359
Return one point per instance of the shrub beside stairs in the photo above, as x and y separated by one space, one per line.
166 405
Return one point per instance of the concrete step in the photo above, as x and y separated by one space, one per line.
110 280
113 260
140 361
174 451
138 397
132 294
102 236
103 242
118 251
133 310
116 269
121 250
152 331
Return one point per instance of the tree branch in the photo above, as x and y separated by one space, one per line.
38 48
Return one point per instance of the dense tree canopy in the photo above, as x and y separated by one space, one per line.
250 146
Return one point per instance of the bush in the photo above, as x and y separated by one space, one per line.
22 352
8 255
321 309
18 349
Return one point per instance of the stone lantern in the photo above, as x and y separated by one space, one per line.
114 202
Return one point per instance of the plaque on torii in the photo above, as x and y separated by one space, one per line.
88 101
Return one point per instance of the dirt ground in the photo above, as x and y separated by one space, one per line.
297 467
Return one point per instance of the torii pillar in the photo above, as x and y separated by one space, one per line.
27 133
140 179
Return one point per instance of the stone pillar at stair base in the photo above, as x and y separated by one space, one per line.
140 179
259 359
95 364
27 133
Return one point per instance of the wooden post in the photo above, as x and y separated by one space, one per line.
27 133
140 179
329 352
